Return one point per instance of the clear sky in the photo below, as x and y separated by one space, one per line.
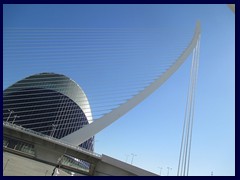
135 38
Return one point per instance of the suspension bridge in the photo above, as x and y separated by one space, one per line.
38 126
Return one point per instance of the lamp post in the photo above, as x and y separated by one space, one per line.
16 116
133 157
160 170
169 168
127 155
10 112
53 129
94 143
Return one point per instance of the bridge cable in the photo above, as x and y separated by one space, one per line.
184 157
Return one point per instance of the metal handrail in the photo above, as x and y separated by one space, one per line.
52 139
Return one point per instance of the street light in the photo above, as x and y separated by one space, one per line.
127 155
160 170
16 116
53 129
94 143
169 168
11 111
133 157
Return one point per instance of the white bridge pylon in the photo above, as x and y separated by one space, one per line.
96 126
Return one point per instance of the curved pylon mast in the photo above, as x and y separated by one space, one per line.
90 130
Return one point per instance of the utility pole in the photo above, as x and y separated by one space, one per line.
133 157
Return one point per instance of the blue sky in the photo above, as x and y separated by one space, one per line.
153 129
